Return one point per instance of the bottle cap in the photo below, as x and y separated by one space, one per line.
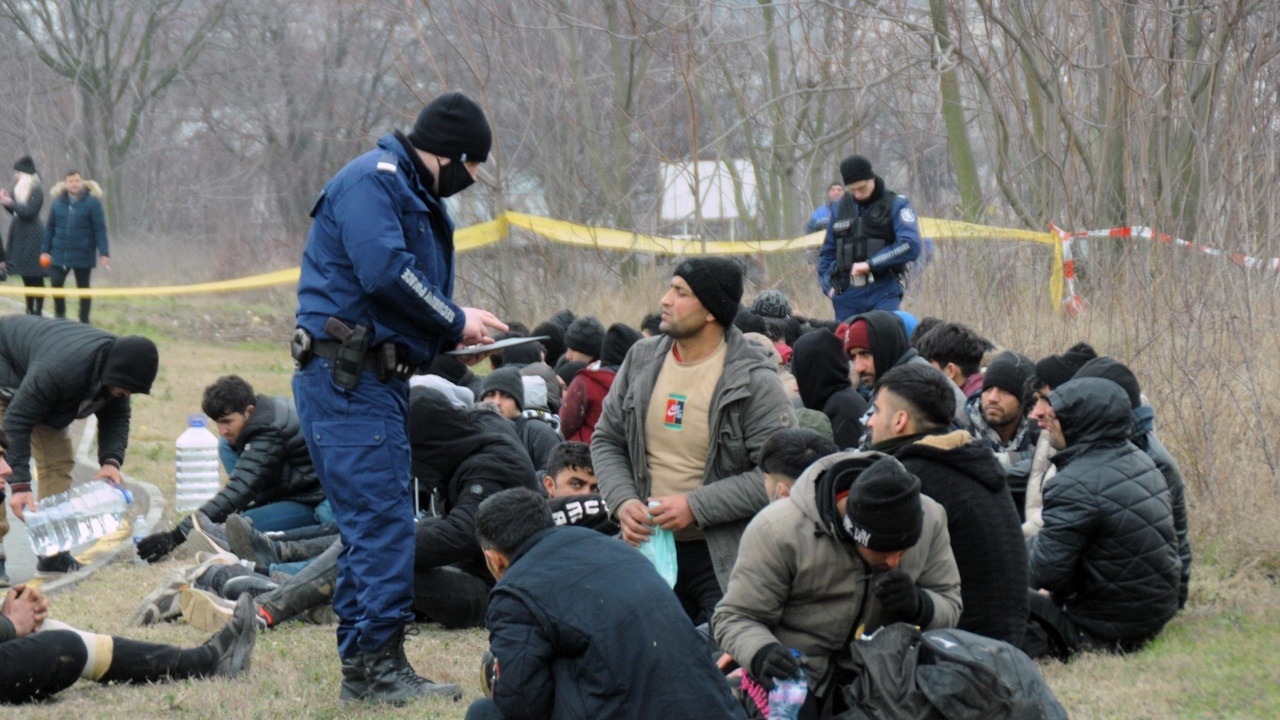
196 420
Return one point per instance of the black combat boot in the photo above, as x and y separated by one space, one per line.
355 686
391 679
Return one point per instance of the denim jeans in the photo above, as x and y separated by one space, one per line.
281 515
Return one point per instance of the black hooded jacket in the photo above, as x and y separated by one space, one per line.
822 374
460 457
964 476
1108 549
274 463
53 372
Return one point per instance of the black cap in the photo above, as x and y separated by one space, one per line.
856 168
25 165
884 513
1008 371
1057 369
1118 373
586 335
772 304
132 363
618 339
506 380
717 283
453 126
554 344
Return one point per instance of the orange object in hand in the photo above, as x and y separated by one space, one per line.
46 260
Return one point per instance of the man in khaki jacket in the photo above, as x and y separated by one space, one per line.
854 547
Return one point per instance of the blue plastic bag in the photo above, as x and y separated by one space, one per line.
661 551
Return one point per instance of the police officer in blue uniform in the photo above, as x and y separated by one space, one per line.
873 237
374 306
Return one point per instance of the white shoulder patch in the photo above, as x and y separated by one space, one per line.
907 216
387 167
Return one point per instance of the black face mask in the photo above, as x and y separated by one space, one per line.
454 178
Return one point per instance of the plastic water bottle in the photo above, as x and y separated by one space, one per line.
788 695
661 551
197 472
77 517
141 529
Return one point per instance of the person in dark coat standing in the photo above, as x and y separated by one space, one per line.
582 626
52 373
914 406
822 374
22 257
1108 552
75 238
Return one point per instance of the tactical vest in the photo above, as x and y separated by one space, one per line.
859 238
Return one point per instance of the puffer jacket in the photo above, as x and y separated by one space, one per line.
796 582
1108 550
747 408
76 232
1151 445
274 463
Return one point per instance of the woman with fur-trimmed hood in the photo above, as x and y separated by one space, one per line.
22 256
75 237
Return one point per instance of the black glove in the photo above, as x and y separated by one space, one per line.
898 595
156 545
773 661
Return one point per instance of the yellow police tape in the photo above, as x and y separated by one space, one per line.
496 230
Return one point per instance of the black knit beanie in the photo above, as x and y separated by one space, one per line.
1008 371
453 126
772 304
1057 369
506 380
554 344
717 283
1118 373
856 168
617 341
884 513
586 335
564 318
132 363
25 165
567 370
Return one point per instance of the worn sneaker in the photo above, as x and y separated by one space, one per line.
250 544
57 564
234 642
216 533
205 611
162 604
198 542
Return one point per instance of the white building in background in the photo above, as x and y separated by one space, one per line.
707 191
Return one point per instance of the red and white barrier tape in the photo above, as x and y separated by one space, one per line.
1244 261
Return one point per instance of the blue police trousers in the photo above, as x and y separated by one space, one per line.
359 442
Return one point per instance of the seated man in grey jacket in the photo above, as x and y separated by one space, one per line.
273 483
854 547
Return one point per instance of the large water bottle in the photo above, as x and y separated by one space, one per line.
77 517
788 695
661 550
197 471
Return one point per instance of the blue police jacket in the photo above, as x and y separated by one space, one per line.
904 249
380 254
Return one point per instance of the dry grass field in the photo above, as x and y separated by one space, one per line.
1202 335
